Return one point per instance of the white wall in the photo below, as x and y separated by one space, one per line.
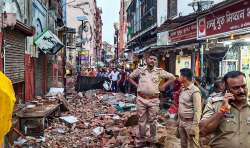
162 9
184 9
72 13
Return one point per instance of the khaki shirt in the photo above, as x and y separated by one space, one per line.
190 103
149 80
234 128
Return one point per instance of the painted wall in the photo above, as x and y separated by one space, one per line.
89 10
40 17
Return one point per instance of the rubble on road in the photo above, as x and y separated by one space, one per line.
95 119
100 123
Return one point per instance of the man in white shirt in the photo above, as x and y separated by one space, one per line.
114 76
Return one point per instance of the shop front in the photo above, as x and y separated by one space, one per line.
14 56
183 39
49 45
225 32
84 58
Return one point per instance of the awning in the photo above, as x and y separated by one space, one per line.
27 30
127 50
48 42
142 50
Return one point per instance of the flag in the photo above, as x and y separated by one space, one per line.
197 66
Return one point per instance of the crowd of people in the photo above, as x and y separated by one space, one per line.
118 77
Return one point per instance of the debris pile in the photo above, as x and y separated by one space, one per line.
99 119
95 119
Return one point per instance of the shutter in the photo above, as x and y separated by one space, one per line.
39 74
14 55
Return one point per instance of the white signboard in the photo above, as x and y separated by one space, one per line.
162 38
49 43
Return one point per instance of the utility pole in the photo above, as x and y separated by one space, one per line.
65 61
116 43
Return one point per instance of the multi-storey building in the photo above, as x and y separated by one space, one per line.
177 43
122 27
14 50
46 15
141 20
81 15
98 32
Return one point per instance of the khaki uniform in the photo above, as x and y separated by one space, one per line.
189 116
148 106
234 129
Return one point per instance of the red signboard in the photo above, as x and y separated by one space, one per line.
183 33
231 18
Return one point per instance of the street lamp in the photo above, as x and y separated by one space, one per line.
83 19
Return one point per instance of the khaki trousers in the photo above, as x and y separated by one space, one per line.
188 141
147 110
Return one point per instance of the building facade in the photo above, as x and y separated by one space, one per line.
81 15
14 50
142 23
122 27
98 32
47 15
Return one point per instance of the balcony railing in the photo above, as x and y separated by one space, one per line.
146 21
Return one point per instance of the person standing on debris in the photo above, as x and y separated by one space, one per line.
227 117
189 111
122 80
148 91
114 76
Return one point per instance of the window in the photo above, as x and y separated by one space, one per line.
172 8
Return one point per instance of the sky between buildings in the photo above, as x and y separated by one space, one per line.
110 14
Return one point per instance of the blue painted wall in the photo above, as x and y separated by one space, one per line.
39 17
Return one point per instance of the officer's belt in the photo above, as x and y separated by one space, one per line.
186 119
148 96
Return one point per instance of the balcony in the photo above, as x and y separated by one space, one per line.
141 18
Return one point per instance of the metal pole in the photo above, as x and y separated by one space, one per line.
79 55
82 35
116 51
97 58
65 63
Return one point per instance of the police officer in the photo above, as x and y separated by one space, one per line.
227 118
189 111
148 91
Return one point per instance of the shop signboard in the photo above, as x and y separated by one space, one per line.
162 38
84 55
49 42
183 33
182 62
227 20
